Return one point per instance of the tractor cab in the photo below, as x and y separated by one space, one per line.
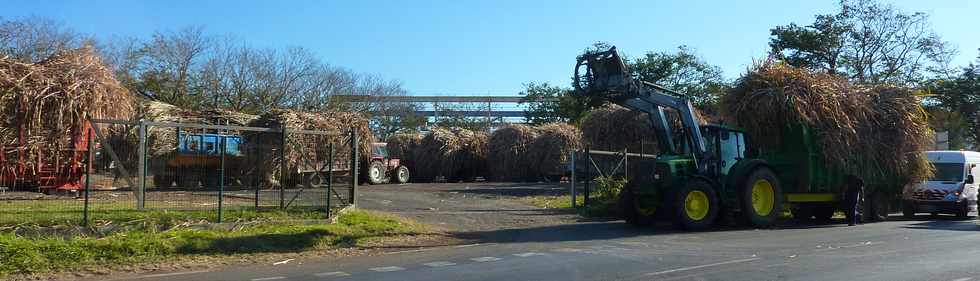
725 146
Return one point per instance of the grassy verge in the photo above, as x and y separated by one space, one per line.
42 252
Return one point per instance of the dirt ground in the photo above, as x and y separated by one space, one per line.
467 207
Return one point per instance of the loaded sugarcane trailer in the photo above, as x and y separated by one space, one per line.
709 170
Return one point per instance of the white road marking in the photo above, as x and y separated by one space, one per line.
332 274
701 266
468 245
528 254
964 279
568 250
439 264
485 259
269 278
169 274
387 269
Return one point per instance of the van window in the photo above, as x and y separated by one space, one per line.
948 172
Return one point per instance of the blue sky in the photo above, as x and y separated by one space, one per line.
471 47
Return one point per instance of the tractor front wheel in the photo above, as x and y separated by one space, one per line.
695 205
632 210
761 198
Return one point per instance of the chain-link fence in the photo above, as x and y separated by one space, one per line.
192 172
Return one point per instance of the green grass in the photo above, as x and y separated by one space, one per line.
70 212
40 253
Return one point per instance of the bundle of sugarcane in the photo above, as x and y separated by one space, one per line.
303 150
437 155
472 156
550 151
615 128
403 146
507 153
849 123
44 105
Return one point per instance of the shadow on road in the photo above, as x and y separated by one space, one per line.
942 223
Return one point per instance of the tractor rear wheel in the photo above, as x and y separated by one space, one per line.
402 175
633 212
376 173
695 205
761 198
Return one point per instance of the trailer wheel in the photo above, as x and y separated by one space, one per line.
376 173
403 174
187 180
163 181
803 212
823 213
908 210
695 205
634 213
761 198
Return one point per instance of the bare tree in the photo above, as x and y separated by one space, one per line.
169 63
33 39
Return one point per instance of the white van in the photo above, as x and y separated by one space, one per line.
952 190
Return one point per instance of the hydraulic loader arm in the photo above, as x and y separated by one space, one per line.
607 76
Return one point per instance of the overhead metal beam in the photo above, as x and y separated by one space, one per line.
428 99
476 113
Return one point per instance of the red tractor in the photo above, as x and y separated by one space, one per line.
381 168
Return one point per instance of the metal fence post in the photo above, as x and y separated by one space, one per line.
88 177
572 179
221 177
282 170
262 176
626 163
141 189
354 169
329 177
588 176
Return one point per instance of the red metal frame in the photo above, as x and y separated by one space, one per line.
64 172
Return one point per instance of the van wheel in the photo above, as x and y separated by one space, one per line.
761 198
963 211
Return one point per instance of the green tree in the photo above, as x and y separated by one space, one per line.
685 72
546 103
962 95
867 41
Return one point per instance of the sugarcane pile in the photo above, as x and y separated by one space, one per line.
51 100
302 148
871 132
508 150
549 152
614 128
452 154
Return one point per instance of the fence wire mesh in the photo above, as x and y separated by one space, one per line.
186 171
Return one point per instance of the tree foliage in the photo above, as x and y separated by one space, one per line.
683 71
867 41
961 95
546 103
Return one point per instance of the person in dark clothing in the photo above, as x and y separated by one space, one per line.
855 187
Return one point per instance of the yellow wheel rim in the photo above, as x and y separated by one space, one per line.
696 205
763 197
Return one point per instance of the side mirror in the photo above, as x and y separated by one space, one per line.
969 179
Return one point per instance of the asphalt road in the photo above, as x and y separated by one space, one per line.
504 239
941 249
